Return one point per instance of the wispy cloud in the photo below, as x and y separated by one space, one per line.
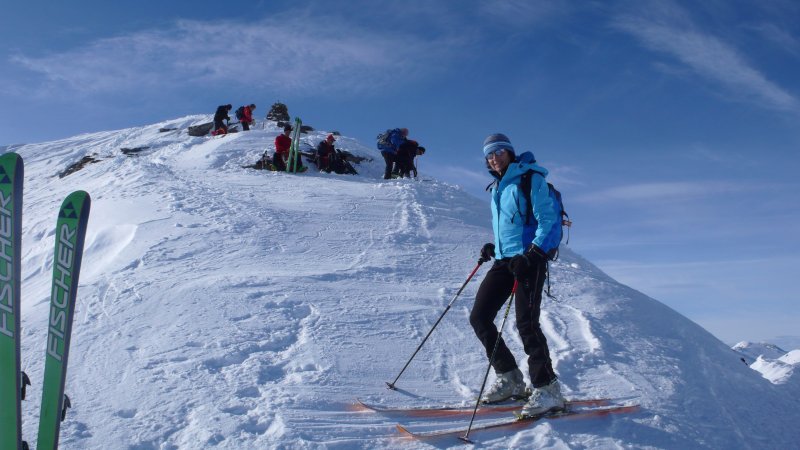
718 158
779 36
666 28
685 280
565 176
282 53
466 178
525 12
660 191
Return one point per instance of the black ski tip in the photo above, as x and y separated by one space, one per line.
391 386
466 439
67 404
25 382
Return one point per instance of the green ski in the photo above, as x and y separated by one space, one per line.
12 379
70 233
294 150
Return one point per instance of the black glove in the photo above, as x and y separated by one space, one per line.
521 265
487 253
537 255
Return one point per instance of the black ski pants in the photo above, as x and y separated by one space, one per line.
280 164
491 298
220 124
390 159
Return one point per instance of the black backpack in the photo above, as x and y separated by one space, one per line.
240 113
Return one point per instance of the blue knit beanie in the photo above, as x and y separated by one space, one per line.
496 141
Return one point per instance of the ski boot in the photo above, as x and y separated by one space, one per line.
507 385
543 400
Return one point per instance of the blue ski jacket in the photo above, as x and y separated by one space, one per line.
511 235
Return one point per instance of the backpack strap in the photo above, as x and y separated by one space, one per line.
565 221
525 185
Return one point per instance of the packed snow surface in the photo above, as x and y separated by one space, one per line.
223 307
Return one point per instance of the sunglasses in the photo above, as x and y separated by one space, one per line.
495 153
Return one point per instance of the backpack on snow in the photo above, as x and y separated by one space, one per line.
200 130
240 113
341 165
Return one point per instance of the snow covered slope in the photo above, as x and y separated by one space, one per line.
223 307
780 370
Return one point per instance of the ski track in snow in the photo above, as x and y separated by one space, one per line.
222 307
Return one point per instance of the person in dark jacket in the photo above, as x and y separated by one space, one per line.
326 154
408 150
221 119
520 250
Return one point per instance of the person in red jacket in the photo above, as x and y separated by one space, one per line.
247 116
282 144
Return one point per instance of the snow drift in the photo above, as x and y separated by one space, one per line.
231 308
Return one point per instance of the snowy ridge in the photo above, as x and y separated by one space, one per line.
223 307
753 350
772 362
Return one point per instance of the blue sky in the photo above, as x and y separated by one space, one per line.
671 127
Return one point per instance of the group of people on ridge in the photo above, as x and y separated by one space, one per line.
222 120
398 153
326 156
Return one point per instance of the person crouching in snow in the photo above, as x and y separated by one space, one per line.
283 142
221 119
326 154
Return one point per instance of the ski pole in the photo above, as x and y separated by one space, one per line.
391 385
465 438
